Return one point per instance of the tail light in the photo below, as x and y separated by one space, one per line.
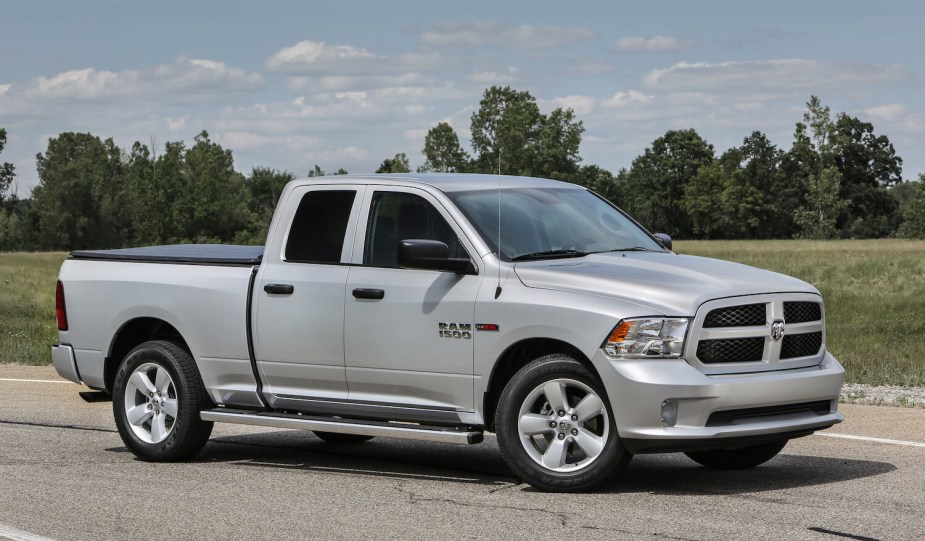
60 308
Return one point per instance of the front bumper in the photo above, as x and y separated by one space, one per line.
639 391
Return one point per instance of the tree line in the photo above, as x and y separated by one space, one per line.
839 179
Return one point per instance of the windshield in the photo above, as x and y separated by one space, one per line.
543 223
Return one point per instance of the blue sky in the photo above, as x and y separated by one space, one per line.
289 84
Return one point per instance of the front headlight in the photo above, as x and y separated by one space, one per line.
651 337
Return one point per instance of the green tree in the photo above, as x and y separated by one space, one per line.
214 192
703 200
555 151
503 131
868 165
398 164
7 171
598 180
80 199
442 151
264 187
913 213
511 135
817 218
316 172
654 187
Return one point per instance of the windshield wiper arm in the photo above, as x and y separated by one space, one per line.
633 249
550 254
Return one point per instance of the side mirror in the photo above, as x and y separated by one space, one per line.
431 255
664 239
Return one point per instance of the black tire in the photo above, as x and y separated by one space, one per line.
737 459
524 408
167 426
342 439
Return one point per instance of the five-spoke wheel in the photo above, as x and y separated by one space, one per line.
157 396
555 427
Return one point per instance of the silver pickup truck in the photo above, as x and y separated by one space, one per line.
439 307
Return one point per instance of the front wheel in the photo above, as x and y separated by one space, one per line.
737 459
555 427
157 396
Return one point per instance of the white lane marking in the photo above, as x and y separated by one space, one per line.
13 534
874 440
36 380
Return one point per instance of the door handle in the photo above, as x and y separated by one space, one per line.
374 294
279 289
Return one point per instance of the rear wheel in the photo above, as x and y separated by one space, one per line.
342 439
737 459
157 396
555 427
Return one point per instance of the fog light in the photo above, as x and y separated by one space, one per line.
669 413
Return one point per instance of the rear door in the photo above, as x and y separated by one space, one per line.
299 297
409 333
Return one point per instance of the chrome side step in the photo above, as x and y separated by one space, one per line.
343 426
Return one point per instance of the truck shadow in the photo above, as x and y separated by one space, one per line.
483 465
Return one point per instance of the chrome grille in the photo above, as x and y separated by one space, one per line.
747 315
734 335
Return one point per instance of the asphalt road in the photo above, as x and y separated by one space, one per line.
64 475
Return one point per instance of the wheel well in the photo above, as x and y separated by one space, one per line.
516 357
133 333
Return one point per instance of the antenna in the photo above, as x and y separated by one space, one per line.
498 289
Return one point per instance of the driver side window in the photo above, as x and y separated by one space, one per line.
397 216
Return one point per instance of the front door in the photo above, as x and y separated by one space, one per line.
409 333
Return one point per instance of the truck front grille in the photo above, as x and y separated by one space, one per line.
734 337
733 350
801 345
747 315
801 312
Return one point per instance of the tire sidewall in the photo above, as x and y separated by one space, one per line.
174 446
544 369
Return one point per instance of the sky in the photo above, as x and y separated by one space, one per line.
346 84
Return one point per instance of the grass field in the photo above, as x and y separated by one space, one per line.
874 292
27 307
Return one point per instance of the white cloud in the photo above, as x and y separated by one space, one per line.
582 105
494 77
177 124
623 99
476 33
648 44
800 75
890 112
181 80
305 56
5 88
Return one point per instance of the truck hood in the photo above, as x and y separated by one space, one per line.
669 284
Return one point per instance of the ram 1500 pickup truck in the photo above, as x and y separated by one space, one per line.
439 307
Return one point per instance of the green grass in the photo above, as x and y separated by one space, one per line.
874 292
27 307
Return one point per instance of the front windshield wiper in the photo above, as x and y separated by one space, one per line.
633 249
550 254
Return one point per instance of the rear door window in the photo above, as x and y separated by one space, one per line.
320 226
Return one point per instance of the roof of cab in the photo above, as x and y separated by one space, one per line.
447 182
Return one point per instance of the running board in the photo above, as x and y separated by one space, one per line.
343 426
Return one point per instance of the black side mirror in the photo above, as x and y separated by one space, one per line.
431 255
664 239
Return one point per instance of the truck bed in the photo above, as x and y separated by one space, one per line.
190 254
